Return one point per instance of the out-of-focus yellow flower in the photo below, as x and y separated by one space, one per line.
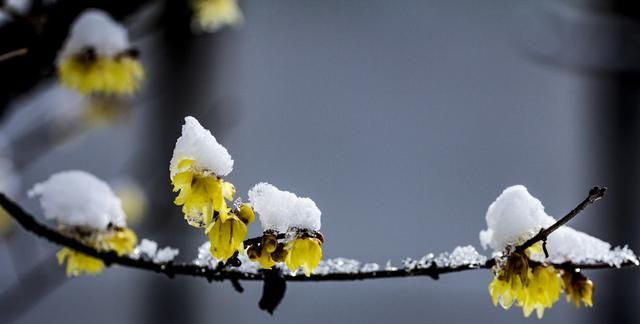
6 223
304 253
103 110
227 237
542 291
134 201
212 15
78 263
578 288
101 75
122 240
201 194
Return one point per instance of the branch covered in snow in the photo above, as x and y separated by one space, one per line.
595 194
340 269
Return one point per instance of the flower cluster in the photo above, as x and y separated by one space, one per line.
291 224
527 279
211 15
97 58
86 209
536 286
298 218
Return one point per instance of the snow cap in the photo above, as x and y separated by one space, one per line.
95 28
198 144
279 210
516 216
78 198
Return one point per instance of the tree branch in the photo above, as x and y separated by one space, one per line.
595 194
222 272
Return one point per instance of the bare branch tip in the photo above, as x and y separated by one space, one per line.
596 193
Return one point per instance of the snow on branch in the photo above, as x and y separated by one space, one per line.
461 259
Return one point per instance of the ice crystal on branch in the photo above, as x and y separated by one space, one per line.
460 256
148 249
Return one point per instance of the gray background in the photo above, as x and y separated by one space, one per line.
403 120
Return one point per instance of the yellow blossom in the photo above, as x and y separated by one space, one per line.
77 262
304 253
101 75
532 289
262 257
542 291
201 194
122 240
227 237
509 284
6 222
262 253
578 288
212 15
246 214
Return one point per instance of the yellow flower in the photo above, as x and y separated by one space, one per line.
304 252
542 291
6 222
227 237
246 214
122 240
212 15
262 257
134 201
201 194
262 253
77 262
578 288
532 289
535 249
508 286
101 75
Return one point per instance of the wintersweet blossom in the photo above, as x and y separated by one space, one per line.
196 168
97 57
305 253
87 210
517 216
284 212
211 15
227 236
578 288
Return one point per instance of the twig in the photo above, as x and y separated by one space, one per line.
13 54
221 272
594 195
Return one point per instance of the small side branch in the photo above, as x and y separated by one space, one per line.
595 194
13 54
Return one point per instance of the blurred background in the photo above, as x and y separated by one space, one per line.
403 120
